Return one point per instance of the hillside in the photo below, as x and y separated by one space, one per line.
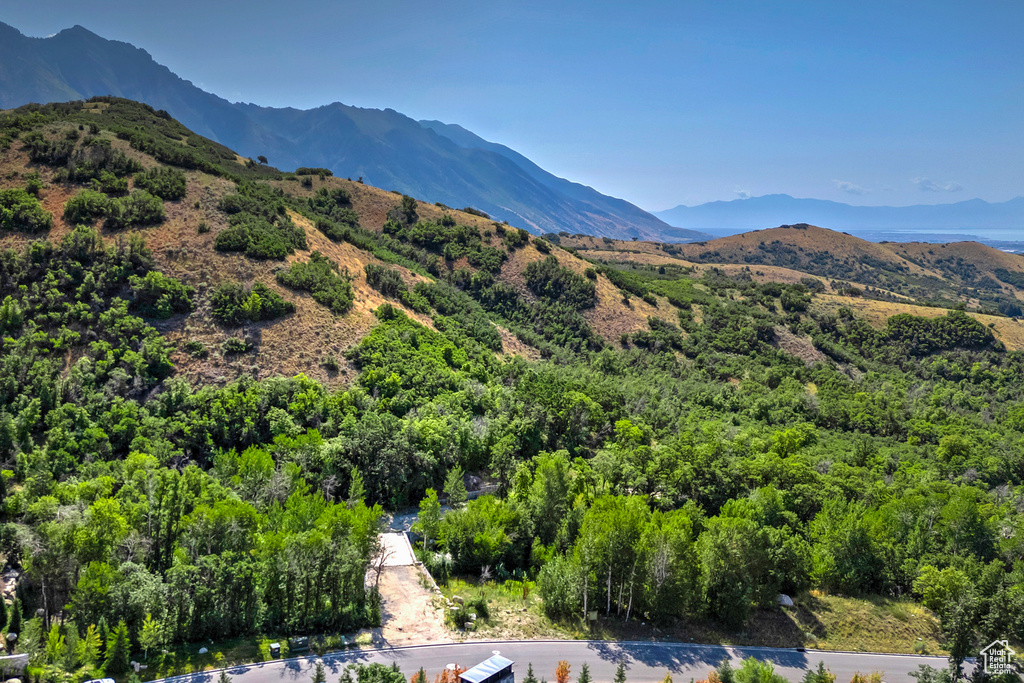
305 340
993 220
383 147
966 272
216 376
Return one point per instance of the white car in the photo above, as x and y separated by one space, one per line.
101 680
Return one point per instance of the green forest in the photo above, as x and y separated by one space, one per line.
693 469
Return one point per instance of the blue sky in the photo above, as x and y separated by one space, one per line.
660 103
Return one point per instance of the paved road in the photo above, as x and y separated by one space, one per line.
645 662
398 552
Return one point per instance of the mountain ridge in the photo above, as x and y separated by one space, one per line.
754 213
385 147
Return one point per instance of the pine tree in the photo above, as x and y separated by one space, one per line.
3 613
346 675
117 661
419 677
224 678
88 648
620 673
104 632
530 678
356 488
14 626
584 674
319 674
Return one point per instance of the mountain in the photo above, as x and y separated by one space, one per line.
1004 220
432 161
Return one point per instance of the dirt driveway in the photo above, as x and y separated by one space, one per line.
408 611
411 613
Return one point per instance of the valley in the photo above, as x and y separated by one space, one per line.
219 375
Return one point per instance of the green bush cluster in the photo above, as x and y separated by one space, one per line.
451 241
232 303
156 295
303 170
387 281
135 210
138 209
320 276
85 207
163 181
110 184
259 225
550 280
21 211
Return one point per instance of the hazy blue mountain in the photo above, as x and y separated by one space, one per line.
974 217
599 204
434 162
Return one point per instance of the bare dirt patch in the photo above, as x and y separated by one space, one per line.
408 612
799 346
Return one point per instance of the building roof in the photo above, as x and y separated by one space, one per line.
485 669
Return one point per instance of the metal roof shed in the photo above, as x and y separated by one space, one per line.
497 669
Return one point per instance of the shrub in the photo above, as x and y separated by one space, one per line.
203 228
543 246
137 209
21 211
236 345
387 281
550 280
334 211
110 184
261 238
475 212
85 207
303 170
233 304
33 184
331 363
196 348
164 182
514 238
320 276
158 296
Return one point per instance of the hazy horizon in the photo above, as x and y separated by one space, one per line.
868 104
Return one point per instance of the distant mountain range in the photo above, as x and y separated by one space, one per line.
974 218
429 160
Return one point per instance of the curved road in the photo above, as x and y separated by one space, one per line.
646 662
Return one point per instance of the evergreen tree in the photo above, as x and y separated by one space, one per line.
88 648
104 633
14 626
584 674
356 488
530 678
455 488
819 675
118 651
224 678
3 612
620 673
319 674
346 675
